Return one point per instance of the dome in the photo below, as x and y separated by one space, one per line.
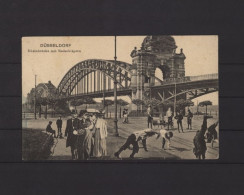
162 43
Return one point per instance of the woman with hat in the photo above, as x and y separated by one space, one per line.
100 148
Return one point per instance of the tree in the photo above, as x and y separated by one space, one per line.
138 103
153 102
182 104
167 104
80 101
189 103
107 103
61 106
121 103
205 103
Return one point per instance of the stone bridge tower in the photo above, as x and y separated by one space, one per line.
155 52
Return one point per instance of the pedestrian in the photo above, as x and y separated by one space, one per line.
81 137
71 138
89 140
59 123
169 115
100 147
133 140
200 147
179 118
50 130
149 117
127 116
166 136
189 119
124 115
212 134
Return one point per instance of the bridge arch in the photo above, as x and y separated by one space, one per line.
98 67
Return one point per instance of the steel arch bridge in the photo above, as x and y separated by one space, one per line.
95 77
102 70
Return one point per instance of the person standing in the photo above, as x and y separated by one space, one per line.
179 118
100 148
124 116
88 140
149 117
81 137
70 142
169 115
189 119
59 123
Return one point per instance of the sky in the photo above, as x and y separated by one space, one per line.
201 56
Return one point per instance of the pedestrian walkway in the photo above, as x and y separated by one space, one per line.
181 143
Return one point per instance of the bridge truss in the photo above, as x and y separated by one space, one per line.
94 75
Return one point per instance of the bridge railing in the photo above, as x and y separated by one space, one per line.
190 78
204 77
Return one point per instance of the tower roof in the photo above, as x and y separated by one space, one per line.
161 43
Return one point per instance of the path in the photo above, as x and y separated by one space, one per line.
181 143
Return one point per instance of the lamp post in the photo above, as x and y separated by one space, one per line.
175 100
35 98
115 91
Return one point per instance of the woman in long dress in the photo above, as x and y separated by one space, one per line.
100 148
89 140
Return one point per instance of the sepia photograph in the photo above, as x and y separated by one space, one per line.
92 98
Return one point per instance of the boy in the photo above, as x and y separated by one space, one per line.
165 137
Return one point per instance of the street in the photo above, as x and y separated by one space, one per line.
181 144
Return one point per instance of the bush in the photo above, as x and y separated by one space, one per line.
36 145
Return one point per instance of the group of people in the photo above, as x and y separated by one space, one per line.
169 115
142 136
179 117
86 136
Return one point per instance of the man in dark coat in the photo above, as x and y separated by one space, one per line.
179 118
70 136
59 123
149 116
189 119
81 136
199 140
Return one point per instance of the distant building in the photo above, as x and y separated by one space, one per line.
42 90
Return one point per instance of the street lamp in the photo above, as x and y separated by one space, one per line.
35 98
115 91
175 100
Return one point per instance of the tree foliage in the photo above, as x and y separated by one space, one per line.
153 102
122 102
205 103
81 101
138 102
181 104
107 102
